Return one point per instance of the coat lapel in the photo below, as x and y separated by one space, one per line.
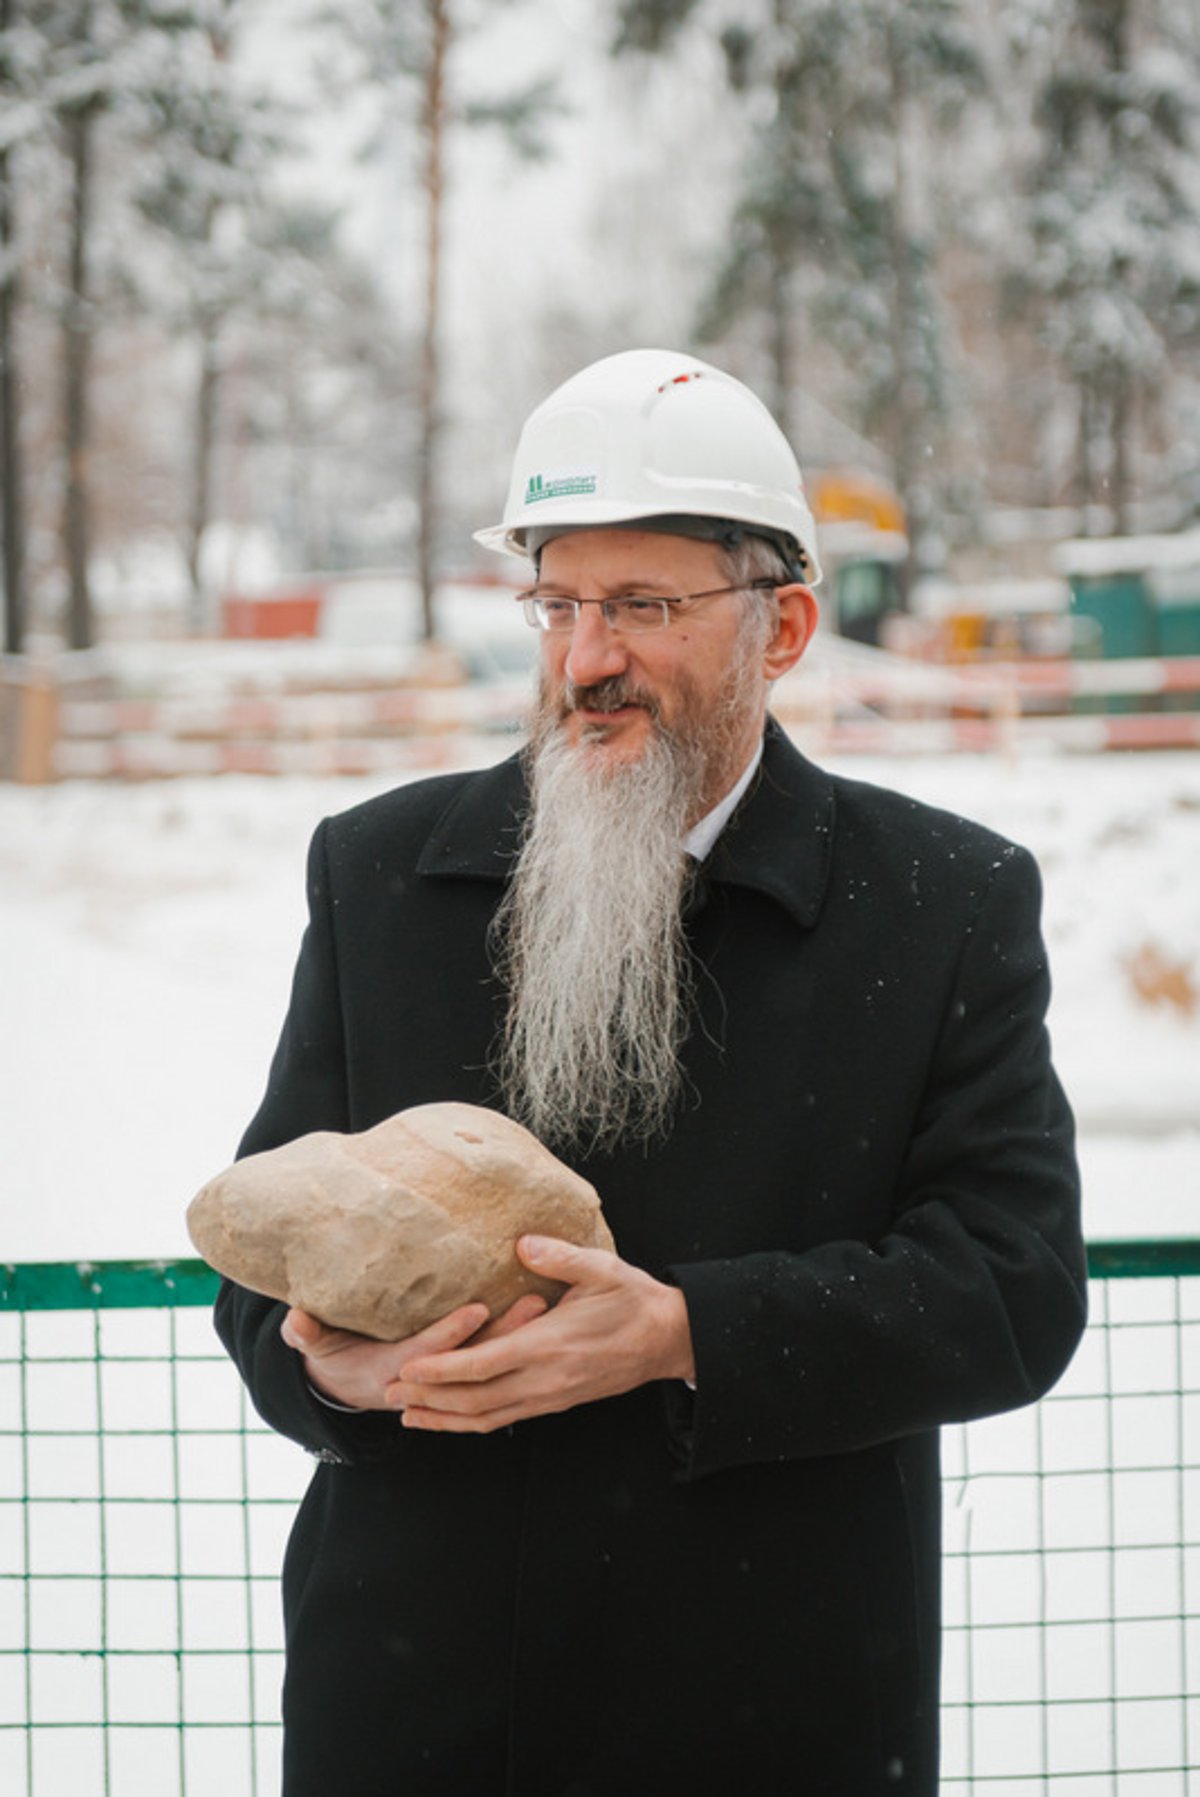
479 833
779 841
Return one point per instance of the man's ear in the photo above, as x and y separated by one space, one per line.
797 621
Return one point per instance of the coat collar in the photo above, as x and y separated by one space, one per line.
778 842
479 833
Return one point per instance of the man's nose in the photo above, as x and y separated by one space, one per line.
596 650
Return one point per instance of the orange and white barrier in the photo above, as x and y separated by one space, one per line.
306 714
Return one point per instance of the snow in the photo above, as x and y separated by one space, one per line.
147 935
1098 558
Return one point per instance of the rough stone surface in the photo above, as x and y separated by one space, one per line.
386 1231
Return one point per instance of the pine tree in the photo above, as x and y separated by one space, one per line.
1108 259
209 143
82 61
407 52
835 215
168 219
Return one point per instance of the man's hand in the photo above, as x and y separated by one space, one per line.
357 1371
614 1329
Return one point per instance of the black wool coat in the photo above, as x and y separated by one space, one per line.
870 1201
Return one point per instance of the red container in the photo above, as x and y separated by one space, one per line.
272 617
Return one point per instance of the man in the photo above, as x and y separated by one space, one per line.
679 1534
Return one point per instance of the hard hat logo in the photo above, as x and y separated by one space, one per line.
558 486
651 436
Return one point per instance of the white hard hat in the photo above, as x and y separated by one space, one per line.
656 437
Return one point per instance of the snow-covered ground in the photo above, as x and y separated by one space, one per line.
147 935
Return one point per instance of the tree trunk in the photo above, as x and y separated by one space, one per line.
1118 34
204 427
77 343
12 512
429 395
1120 386
204 415
1121 427
780 327
1086 453
906 396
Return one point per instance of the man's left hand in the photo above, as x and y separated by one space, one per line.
616 1327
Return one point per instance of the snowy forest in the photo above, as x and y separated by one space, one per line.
281 279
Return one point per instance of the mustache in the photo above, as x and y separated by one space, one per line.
607 695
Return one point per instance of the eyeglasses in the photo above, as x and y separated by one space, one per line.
632 614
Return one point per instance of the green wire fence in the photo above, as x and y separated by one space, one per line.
143 1514
144 1511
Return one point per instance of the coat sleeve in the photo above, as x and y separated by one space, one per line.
306 1090
973 1300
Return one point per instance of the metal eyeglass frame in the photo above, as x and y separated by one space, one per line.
653 612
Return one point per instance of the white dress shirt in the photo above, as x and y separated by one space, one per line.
700 838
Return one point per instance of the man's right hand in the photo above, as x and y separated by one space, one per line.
356 1370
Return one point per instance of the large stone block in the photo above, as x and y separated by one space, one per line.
386 1231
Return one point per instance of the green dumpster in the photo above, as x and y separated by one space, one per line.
1175 593
1121 608
1141 597
1175 596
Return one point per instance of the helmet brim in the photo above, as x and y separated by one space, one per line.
526 540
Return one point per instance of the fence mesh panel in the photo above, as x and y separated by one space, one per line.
144 1510
1072 1538
143 1513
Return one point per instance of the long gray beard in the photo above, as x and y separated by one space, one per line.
590 942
